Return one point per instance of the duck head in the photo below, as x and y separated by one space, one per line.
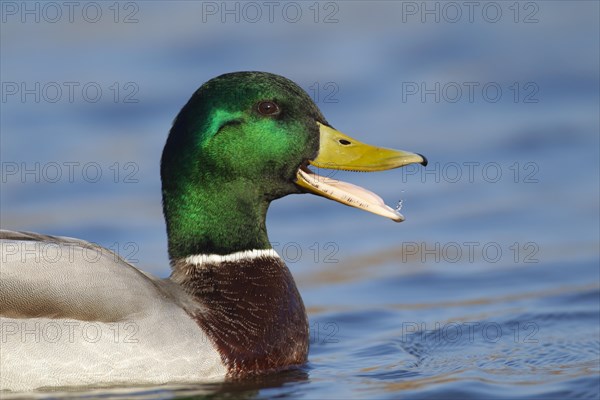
245 139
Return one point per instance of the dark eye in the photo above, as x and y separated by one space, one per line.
268 108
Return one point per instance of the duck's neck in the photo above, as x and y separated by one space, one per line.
224 219
249 307
247 301
244 297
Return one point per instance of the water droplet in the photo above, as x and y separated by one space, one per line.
399 206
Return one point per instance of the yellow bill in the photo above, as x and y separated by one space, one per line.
341 152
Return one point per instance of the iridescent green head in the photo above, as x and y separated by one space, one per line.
249 128
243 140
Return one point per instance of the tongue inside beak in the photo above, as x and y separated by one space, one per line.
338 151
346 193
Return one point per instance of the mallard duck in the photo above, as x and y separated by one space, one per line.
73 313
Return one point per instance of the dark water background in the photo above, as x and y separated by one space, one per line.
489 289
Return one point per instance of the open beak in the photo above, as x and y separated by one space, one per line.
338 151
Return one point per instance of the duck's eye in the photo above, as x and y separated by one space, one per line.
268 108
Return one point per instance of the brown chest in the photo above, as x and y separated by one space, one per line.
252 311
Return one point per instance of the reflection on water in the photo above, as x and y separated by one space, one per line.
247 389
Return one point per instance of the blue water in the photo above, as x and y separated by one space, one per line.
489 289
